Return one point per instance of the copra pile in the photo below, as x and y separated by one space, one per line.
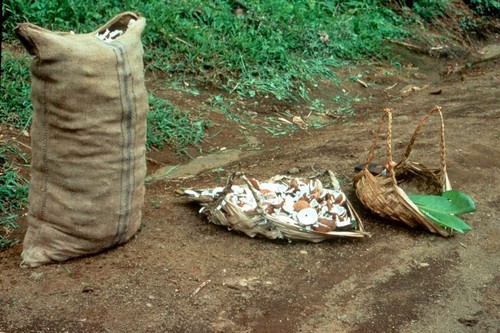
108 36
307 205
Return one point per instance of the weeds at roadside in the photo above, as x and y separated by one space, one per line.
166 124
13 190
225 106
186 89
344 102
486 7
272 47
15 104
430 9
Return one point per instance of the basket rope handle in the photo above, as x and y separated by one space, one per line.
417 133
442 144
371 153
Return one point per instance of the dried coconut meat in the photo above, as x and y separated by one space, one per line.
306 207
107 36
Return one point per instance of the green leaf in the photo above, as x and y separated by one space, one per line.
462 201
451 202
443 208
447 220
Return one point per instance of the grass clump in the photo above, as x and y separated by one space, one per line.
430 9
167 124
485 7
267 47
262 47
15 105
13 191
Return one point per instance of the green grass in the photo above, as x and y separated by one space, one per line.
274 48
13 190
168 125
430 9
15 104
486 7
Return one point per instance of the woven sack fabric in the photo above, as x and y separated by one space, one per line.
88 140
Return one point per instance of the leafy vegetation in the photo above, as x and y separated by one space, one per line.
15 105
13 191
485 7
443 208
430 9
166 124
269 47
263 47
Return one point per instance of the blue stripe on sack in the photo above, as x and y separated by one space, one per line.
127 174
45 159
40 215
133 105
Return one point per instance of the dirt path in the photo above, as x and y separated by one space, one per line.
399 280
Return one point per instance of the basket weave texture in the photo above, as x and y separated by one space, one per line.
223 212
383 194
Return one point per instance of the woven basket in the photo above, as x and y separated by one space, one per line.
383 194
223 212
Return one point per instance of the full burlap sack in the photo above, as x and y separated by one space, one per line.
88 140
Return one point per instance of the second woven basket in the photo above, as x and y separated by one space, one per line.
383 194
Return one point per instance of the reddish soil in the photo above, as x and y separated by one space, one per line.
398 280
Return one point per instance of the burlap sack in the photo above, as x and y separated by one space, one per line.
88 140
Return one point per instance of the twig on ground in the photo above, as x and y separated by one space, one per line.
22 144
197 290
180 40
154 161
408 45
364 84
389 88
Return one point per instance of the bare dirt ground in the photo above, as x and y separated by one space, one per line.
399 280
